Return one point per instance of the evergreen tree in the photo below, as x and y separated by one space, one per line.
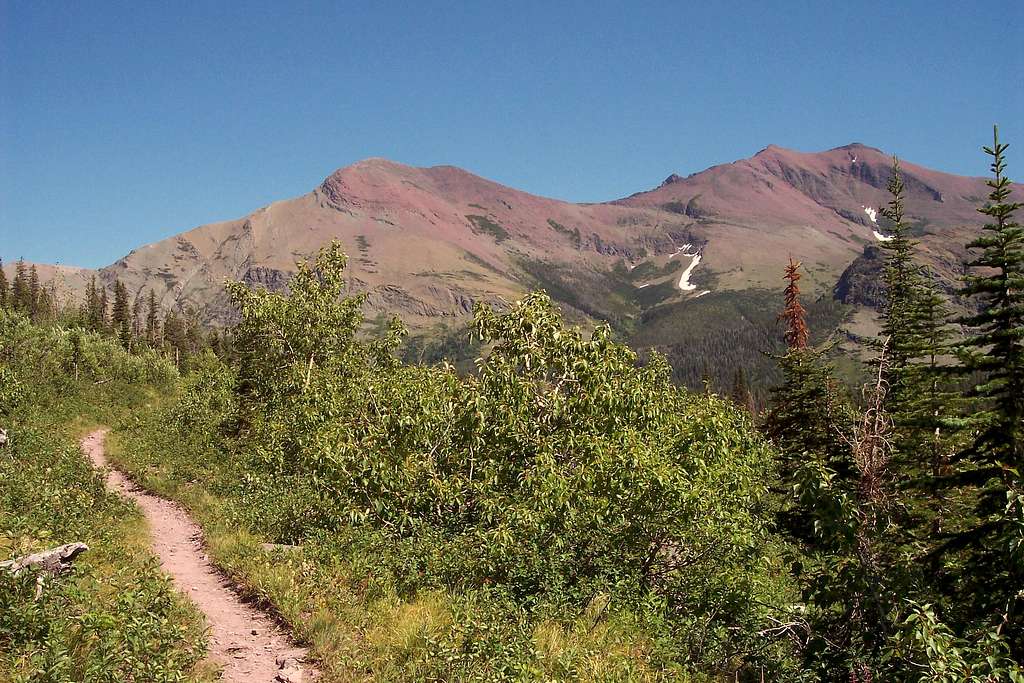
92 312
137 315
997 346
926 418
917 335
901 275
978 560
33 293
102 309
4 287
740 392
19 289
806 408
152 320
174 337
121 316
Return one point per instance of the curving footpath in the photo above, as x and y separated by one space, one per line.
246 642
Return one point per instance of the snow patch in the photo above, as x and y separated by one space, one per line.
684 279
880 237
872 214
682 250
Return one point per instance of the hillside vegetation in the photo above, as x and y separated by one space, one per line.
115 617
561 511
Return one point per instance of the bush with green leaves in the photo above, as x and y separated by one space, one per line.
560 471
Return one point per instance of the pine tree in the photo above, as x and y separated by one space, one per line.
927 417
806 408
19 289
902 278
92 312
974 560
175 337
102 322
33 292
997 347
4 287
740 392
121 314
917 335
152 321
137 315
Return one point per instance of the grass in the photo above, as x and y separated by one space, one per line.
115 616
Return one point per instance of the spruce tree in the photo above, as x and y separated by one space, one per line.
19 289
4 287
137 315
806 407
917 335
34 290
997 346
978 559
902 278
121 314
152 321
101 310
93 314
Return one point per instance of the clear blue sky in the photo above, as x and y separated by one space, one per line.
123 123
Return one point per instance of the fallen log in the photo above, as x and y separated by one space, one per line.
54 561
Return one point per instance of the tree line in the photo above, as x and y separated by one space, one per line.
906 507
138 322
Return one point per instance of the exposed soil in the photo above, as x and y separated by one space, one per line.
249 645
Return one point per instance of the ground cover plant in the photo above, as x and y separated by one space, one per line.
114 617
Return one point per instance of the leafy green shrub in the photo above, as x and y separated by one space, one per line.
560 472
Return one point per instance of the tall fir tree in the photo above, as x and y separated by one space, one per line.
4 286
121 315
137 305
806 407
901 275
978 560
20 299
34 289
92 314
997 346
103 306
914 325
152 320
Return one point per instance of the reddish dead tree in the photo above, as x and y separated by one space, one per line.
794 313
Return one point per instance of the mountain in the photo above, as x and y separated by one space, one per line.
427 243
680 267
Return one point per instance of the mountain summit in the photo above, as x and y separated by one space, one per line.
427 243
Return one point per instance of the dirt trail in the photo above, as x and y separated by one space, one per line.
245 641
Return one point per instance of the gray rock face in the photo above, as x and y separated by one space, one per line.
861 282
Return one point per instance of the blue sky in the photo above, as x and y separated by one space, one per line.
124 123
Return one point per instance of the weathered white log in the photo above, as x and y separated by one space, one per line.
3 437
53 561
